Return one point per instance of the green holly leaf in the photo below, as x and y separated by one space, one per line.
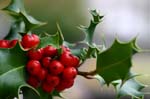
15 6
131 87
81 53
115 62
92 51
30 22
89 31
16 27
12 76
30 93
13 9
55 40
17 11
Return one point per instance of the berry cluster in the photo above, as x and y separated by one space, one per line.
47 68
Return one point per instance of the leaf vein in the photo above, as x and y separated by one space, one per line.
114 64
11 70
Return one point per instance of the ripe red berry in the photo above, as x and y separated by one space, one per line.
47 88
33 81
46 61
42 74
12 43
68 83
69 60
65 49
33 67
34 54
4 44
50 51
55 67
42 51
69 73
30 41
60 88
52 80
64 84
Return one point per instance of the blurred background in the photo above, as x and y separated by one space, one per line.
124 18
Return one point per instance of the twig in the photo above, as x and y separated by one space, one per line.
88 75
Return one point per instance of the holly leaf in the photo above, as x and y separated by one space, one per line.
39 94
15 6
131 87
115 62
55 40
12 74
17 11
16 27
30 22
89 31
81 53
92 51
30 93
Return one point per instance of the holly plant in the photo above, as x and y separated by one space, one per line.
43 65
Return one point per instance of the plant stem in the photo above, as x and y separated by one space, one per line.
87 75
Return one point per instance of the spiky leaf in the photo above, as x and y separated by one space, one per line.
30 22
89 31
16 27
55 40
17 11
115 62
12 62
131 87
15 6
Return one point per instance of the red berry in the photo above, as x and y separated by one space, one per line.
50 51
41 50
46 61
34 54
65 49
69 73
69 60
52 80
67 83
56 67
42 74
64 84
4 44
33 67
60 88
47 88
12 43
30 41
33 82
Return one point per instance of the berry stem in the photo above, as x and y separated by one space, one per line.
88 75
